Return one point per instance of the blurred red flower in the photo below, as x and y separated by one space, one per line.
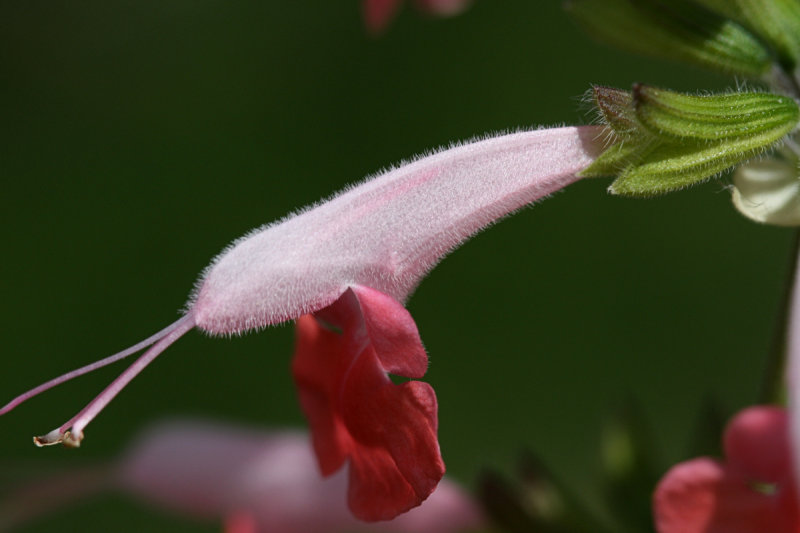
378 13
752 491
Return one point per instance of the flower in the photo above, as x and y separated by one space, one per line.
752 491
387 431
252 480
264 479
378 13
768 191
371 244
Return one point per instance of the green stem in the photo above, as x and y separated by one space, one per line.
773 388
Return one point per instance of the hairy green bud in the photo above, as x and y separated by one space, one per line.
662 141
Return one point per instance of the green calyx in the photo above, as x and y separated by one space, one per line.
662 141
712 117
679 30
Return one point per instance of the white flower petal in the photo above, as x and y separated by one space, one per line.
769 192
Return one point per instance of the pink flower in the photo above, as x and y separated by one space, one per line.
388 432
378 13
253 481
269 480
752 491
353 260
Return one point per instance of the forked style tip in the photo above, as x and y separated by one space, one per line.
67 438
70 434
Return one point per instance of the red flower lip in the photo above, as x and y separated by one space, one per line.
386 431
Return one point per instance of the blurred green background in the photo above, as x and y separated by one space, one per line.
139 138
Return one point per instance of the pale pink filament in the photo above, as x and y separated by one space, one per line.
71 432
88 368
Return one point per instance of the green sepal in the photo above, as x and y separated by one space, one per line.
671 167
678 30
778 23
616 158
713 117
668 141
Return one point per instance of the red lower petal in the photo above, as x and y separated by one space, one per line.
392 333
316 368
377 490
387 431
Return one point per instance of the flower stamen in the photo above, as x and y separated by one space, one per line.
71 433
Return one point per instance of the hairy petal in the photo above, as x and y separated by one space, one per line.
387 232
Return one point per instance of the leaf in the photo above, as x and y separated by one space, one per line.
678 30
778 23
727 8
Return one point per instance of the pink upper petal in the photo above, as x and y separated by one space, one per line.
387 232
705 496
756 442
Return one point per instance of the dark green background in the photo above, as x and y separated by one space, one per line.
139 138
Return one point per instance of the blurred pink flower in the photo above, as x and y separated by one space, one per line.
263 482
378 13
252 481
752 491
387 431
